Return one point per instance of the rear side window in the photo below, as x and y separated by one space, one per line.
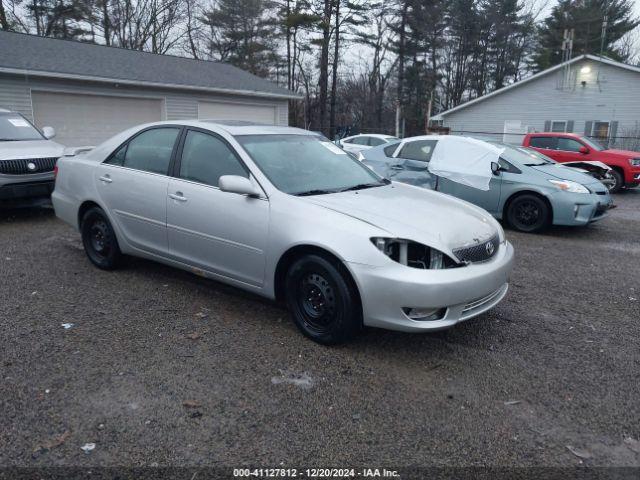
544 142
360 141
390 150
374 141
420 150
569 145
149 151
206 158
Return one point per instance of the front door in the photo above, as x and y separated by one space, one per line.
220 232
411 164
569 150
133 183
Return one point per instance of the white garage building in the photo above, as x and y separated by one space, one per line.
90 92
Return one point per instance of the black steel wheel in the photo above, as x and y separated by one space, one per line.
528 213
322 301
99 240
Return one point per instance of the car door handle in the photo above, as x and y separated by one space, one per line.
396 167
178 197
106 179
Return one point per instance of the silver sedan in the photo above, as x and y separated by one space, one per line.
286 214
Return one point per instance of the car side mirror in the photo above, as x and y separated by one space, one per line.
495 168
239 185
48 132
584 150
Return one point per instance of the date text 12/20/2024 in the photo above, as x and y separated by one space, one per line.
315 473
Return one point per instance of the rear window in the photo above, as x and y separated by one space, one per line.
544 142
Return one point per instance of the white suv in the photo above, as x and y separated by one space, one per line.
27 160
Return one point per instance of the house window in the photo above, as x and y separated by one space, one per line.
559 126
600 130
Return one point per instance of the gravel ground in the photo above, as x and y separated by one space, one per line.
550 377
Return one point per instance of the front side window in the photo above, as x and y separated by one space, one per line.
549 143
593 144
150 151
14 127
307 165
569 145
206 158
420 150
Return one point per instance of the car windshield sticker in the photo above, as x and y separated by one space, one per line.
18 122
333 148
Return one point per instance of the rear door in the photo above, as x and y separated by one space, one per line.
221 232
546 145
412 162
132 184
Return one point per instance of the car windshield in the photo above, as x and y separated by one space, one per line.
536 158
592 144
307 165
14 127
522 155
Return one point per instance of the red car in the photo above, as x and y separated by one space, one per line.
570 147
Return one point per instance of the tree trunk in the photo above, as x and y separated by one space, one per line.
324 64
334 80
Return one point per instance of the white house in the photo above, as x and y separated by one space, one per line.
90 92
594 96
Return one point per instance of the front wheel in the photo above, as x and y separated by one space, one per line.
322 301
99 240
617 181
528 213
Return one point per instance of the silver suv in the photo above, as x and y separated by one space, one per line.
27 160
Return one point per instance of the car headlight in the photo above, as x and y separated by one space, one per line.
569 186
360 156
635 162
413 254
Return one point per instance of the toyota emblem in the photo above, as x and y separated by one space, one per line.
490 248
31 166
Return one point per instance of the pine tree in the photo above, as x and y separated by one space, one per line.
586 17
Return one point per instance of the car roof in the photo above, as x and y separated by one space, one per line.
236 128
376 135
554 134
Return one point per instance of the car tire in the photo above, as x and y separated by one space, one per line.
618 181
322 300
99 240
528 213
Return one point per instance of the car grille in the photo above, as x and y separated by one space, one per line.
21 166
472 307
480 252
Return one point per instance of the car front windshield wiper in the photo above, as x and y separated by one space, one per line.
317 191
9 139
362 186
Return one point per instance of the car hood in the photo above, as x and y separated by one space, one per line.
561 172
25 149
622 153
432 218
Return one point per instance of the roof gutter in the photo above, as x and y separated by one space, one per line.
136 83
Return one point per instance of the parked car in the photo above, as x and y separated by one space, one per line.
570 147
597 170
27 159
526 190
358 143
288 215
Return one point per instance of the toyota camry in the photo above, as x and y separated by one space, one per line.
286 214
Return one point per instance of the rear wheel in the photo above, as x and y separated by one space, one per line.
324 305
618 181
528 213
99 240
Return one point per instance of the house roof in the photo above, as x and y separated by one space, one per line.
48 57
524 81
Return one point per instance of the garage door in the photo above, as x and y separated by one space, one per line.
232 111
90 119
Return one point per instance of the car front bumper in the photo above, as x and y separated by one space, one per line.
575 209
26 190
462 293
